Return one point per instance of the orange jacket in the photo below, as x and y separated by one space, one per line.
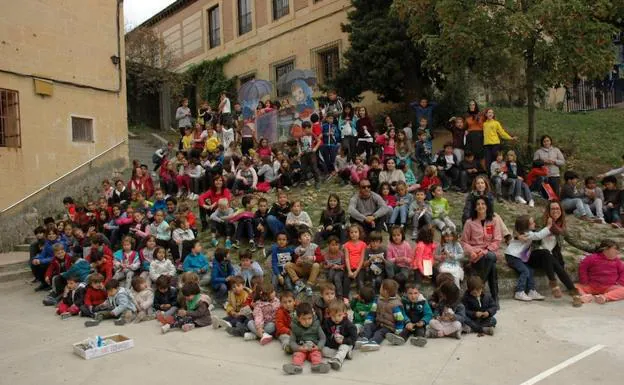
282 321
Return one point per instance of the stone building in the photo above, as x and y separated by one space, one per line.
62 99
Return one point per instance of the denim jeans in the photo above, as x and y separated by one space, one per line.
275 225
525 278
269 327
577 206
612 215
399 212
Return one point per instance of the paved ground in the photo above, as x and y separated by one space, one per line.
531 339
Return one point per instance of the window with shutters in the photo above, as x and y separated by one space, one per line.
82 129
280 8
214 27
10 133
244 16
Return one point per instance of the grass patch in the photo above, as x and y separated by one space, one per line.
591 141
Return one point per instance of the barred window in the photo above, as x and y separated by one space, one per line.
280 8
214 27
82 129
281 70
244 16
10 133
329 63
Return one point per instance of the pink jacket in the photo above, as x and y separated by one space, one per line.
596 269
357 174
424 251
477 237
401 255
264 312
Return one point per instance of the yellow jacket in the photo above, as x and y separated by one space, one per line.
235 302
493 132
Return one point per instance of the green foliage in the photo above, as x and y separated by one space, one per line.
381 56
210 80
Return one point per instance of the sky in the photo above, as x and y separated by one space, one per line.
137 11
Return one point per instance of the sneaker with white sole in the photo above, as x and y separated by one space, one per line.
418 341
531 203
360 342
334 363
321 368
165 328
521 200
534 295
292 369
223 323
522 296
370 346
266 338
395 339
215 322
249 336
308 291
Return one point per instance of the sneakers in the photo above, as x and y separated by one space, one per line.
418 341
466 329
370 346
220 323
50 300
360 342
228 244
249 336
234 332
235 245
534 295
522 296
188 327
252 246
120 322
266 338
165 328
164 319
350 355
65 316
321 368
308 291
521 200
95 321
335 363
395 339
140 316
286 188
457 335
292 369
488 330
531 203
308 183
299 286
214 242
431 333
43 287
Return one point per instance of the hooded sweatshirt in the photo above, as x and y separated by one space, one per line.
301 335
121 302
596 269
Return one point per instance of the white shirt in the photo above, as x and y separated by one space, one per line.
227 137
226 106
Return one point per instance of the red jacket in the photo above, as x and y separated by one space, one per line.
596 269
213 197
54 268
282 321
429 181
534 173
106 268
105 250
94 297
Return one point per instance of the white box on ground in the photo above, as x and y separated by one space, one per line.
121 343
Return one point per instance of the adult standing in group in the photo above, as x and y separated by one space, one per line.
209 200
424 109
368 208
391 174
347 126
225 110
183 116
547 256
365 134
474 131
481 239
553 159
334 105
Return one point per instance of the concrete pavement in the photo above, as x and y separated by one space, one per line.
530 339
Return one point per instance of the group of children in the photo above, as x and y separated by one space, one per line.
133 255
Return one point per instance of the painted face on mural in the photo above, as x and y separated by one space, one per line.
298 95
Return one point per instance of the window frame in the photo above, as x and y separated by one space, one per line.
279 65
74 139
324 65
246 15
280 8
4 138
214 41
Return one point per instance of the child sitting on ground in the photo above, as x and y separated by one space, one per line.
341 334
244 220
195 311
248 268
480 308
375 260
165 297
306 342
420 212
283 319
449 254
119 305
236 301
400 257
354 259
95 295
60 263
221 226
222 271
161 266
184 239
127 262
72 298
265 307
601 275
196 262
424 255
143 297
305 264
418 314
386 319
297 221
448 311
361 305
440 209
281 255
321 303
333 262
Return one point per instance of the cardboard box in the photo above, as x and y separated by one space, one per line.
121 343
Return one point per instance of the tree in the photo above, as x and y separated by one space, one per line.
210 80
556 41
381 57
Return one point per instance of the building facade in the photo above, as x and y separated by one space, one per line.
62 94
267 38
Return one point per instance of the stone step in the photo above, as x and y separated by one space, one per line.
25 247
22 274
14 266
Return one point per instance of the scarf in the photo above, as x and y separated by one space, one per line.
192 304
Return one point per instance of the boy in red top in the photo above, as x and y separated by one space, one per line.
102 264
283 319
95 295
60 264
537 175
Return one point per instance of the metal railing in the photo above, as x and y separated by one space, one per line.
586 96
63 176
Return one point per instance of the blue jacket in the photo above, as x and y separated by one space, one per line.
47 253
195 263
81 269
417 311
159 205
331 134
220 272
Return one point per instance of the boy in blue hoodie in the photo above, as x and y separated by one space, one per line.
418 314
196 262
119 305
281 254
222 270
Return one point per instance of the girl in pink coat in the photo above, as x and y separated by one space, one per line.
601 275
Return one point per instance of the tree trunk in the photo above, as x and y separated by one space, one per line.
530 93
